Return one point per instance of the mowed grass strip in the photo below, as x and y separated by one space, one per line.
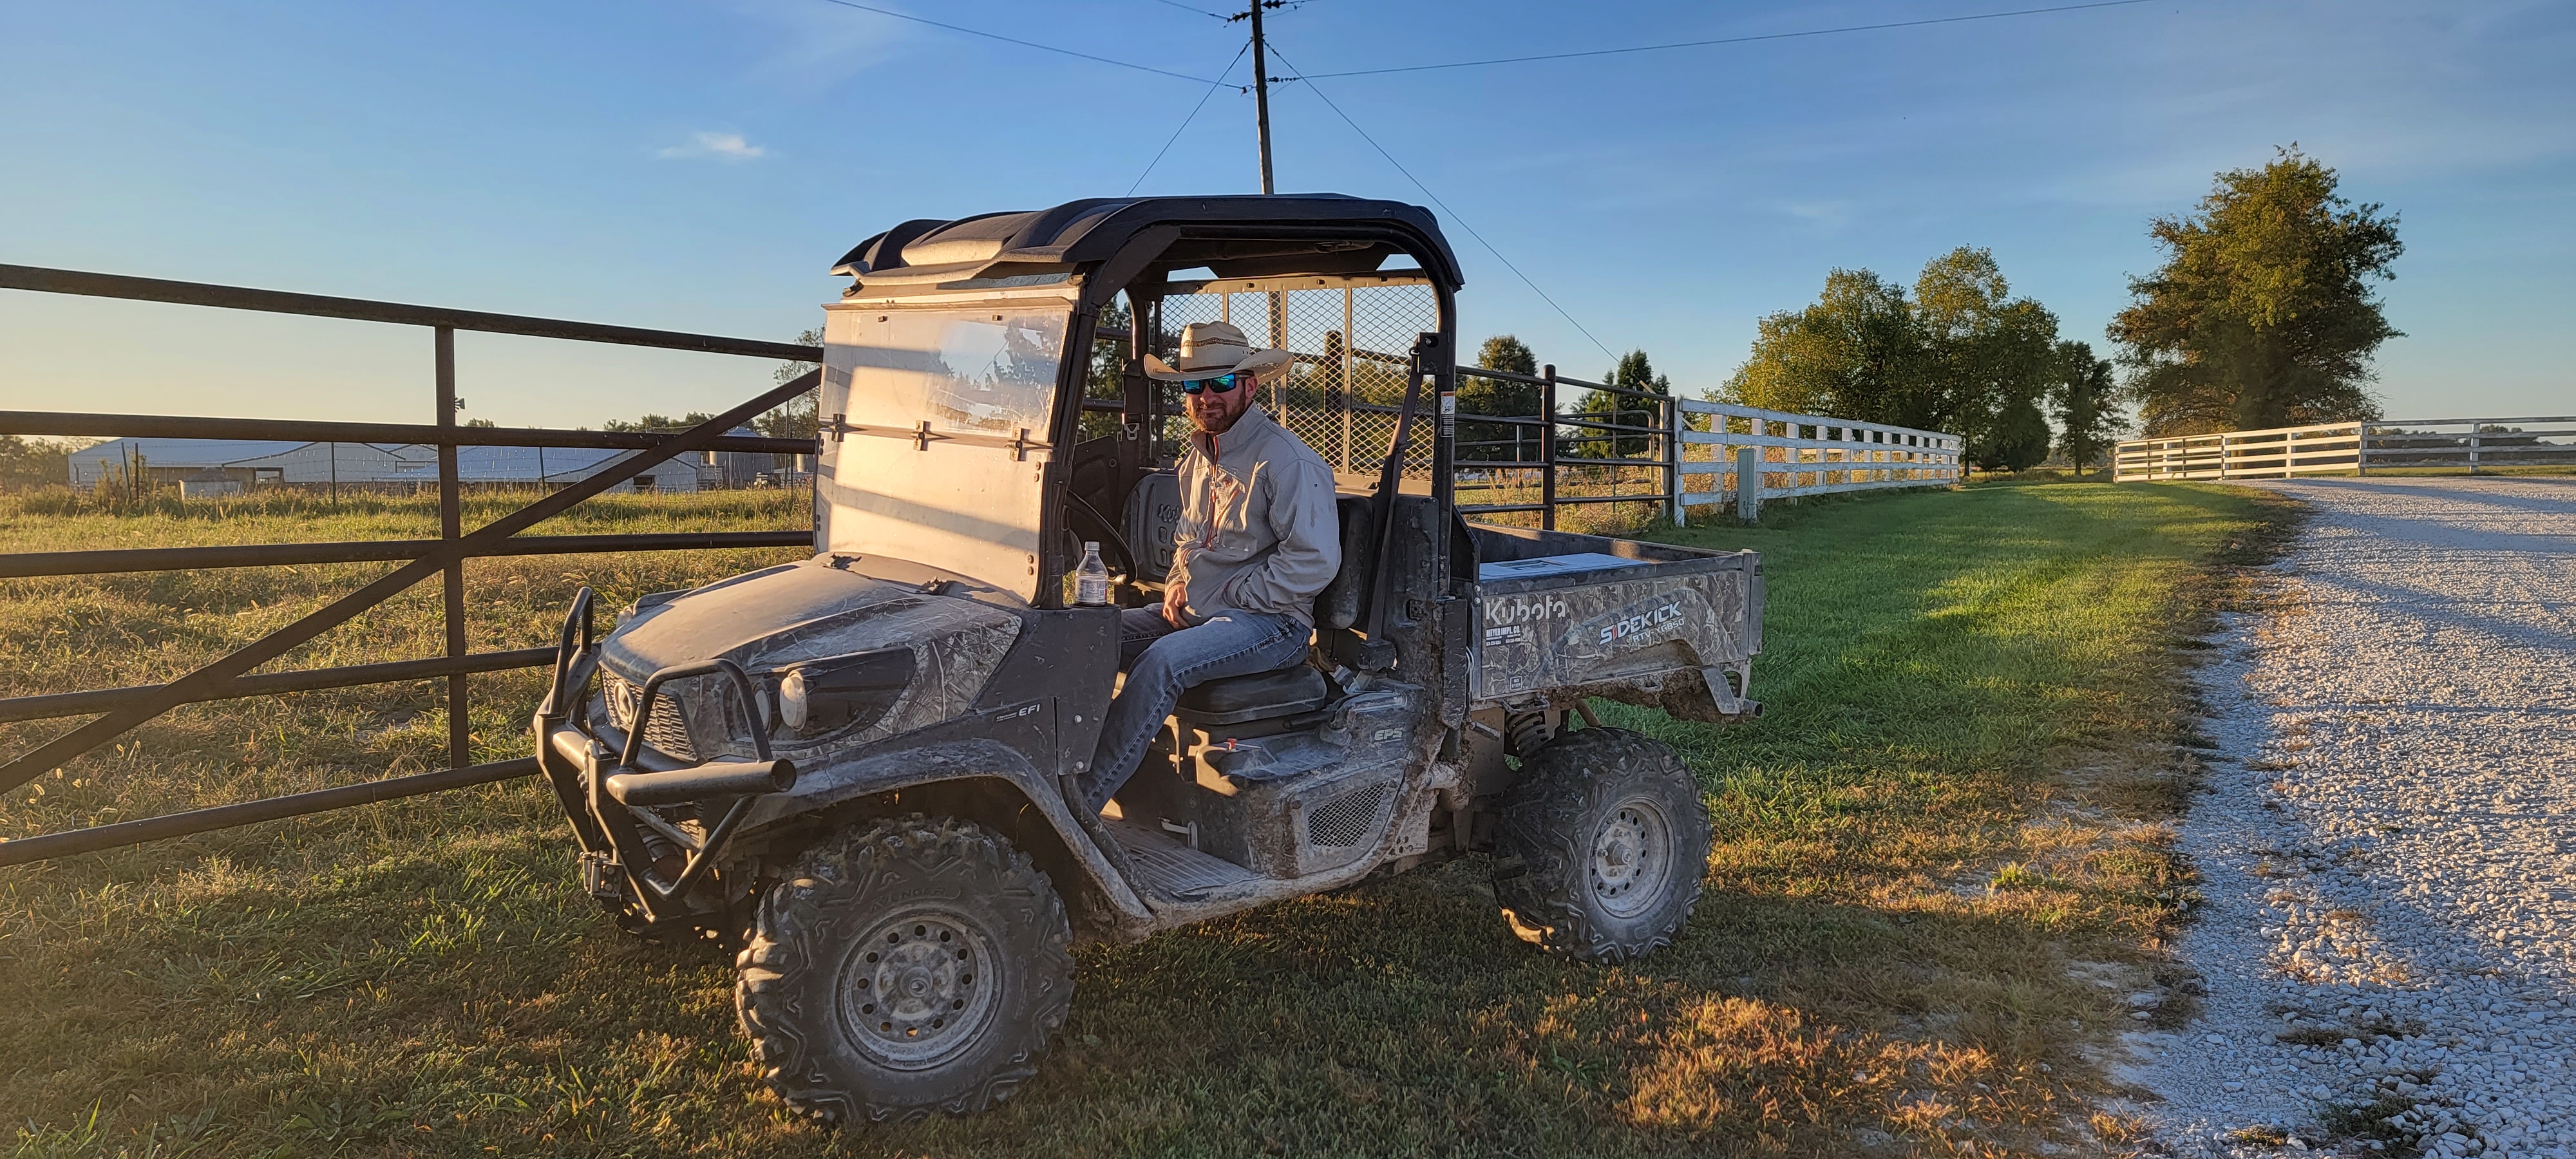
1948 815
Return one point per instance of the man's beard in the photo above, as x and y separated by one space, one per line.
1226 421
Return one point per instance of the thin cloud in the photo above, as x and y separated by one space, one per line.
711 146
814 46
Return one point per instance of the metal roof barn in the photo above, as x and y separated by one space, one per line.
256 462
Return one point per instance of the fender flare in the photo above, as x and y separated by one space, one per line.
957 762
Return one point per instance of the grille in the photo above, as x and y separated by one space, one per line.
668 731
1345 820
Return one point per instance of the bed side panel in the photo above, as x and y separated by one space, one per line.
1639 623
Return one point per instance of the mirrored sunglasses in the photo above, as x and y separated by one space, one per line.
1220 384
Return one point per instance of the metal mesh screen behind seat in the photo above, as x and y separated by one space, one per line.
1352 342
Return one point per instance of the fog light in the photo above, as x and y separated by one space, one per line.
792 704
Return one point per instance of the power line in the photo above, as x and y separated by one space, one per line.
1194 115
1444 206
1023 43
1189 8
1724 40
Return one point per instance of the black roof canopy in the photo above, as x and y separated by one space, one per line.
1236 236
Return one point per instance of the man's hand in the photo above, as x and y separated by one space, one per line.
1176 597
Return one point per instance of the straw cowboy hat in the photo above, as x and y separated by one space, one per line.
1209 349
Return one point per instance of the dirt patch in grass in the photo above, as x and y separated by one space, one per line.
1940 875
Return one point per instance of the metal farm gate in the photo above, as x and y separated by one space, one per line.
1352 335
112 712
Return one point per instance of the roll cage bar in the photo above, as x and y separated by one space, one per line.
1141 268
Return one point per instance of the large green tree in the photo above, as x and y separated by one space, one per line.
1988 358
2263 314
1632 372
1960 354
2086 401
1854 353
26 463
1478 395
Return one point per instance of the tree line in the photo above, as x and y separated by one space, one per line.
2262 314
1959 353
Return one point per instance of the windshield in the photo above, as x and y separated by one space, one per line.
939 456
975 370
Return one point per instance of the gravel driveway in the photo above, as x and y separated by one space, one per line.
2388 843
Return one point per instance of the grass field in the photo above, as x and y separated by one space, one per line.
1946 828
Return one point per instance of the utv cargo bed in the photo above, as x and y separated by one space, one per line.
1647 623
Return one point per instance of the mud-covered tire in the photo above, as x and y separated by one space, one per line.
965 932
1603 843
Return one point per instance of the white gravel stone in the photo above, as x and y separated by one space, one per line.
2388 835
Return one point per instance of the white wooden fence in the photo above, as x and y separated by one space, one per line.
1799 454
2356 447
1676 453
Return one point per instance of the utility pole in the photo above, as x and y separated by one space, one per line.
1261 95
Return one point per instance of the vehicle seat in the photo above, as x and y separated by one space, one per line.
1153 516
1260 696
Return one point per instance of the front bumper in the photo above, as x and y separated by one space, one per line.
611 786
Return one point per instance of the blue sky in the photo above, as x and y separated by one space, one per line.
697 164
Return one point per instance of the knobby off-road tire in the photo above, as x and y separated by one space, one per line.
914 964
1604 840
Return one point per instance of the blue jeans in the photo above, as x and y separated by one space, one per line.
1162 662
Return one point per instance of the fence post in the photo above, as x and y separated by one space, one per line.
1673 427
2226 447
1748 482
2361 448
451 518
2473 447
1547 448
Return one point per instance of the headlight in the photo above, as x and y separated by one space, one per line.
792 707
845 693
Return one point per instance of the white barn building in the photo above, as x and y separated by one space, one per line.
259 463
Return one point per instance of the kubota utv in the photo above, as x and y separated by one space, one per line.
854 767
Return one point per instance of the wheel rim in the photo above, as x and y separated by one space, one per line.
1632 857
919 988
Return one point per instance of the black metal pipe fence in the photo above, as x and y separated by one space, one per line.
1622 445
116 711
1589 442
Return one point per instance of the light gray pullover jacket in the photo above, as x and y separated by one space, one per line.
1257 531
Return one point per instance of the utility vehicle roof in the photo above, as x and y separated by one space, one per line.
1239 236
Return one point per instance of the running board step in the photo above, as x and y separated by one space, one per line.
1172 869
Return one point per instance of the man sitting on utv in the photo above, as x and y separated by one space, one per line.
1256 540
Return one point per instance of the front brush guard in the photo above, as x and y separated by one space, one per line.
607 794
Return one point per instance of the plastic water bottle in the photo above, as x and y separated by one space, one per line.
1091 580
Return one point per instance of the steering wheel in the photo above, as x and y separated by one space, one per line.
1083 514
